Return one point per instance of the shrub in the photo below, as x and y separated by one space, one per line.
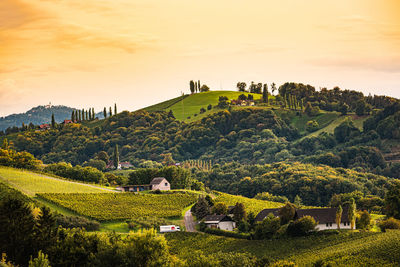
209 107
302 226
77 222
267 228
364 221
312 126
220 232
390 223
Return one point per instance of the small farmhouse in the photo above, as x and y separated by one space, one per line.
45 126
325 217
159 183
222 222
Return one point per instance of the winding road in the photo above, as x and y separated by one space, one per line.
189 222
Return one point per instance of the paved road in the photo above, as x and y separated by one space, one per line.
189 222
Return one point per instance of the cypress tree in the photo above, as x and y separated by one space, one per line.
339 212
198 85
105 112
83 114
265 94
93 114
352 213
191 85
90 114
73 116
110 112
115 109
284 101
116 157
87 115
53 121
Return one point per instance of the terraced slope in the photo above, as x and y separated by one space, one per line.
31 183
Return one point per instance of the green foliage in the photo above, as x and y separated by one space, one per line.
364 221
220 232
219 208
202 208
41 260
267 228
392 201
312 126
287 213
77 222
15 159
123 206
302 226
239 212
346 131
390 223
270 197
87 174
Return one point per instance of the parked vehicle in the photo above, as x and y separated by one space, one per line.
169 228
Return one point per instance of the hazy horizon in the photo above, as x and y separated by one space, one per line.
100 52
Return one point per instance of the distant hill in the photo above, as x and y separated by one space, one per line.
37 115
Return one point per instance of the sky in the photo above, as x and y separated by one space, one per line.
95 53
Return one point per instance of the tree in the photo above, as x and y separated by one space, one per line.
105 112
73 116
312 126
5 144
110 112
87 115
41 260
198 86
390 223
352 213
267 228
17 230
273 88
102 155
241 86
116 157
171 114
219 208
364 222
204 88
191 84
202 208
287 213
53 121
392 201
361 107
265 94
302 226
297 201
344 109
339 212
93 114
90 114
239 212
115 109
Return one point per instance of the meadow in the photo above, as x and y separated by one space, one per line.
340 249
32 183
193 103
122 206
251 204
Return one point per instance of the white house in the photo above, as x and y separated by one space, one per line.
159 183
222 222
325 217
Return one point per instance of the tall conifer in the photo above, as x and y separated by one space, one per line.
53 121
105 112
116 157
110 112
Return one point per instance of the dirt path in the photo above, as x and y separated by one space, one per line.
189 222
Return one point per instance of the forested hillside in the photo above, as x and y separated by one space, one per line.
36 116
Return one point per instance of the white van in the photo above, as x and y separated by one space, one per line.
169 228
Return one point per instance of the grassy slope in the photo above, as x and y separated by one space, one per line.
165 105
192 104
345 249
31 183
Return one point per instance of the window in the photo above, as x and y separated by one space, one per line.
330 224
166 184
327 224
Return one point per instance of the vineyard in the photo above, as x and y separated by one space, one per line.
251 205
122 206
344 249
31 183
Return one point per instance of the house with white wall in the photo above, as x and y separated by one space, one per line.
222 222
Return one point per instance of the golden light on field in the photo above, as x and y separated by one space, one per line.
135 53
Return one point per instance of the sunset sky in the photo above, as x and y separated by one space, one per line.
94 53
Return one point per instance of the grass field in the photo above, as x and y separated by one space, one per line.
251 204
32 183
122 206
344 249
193 103
165 105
